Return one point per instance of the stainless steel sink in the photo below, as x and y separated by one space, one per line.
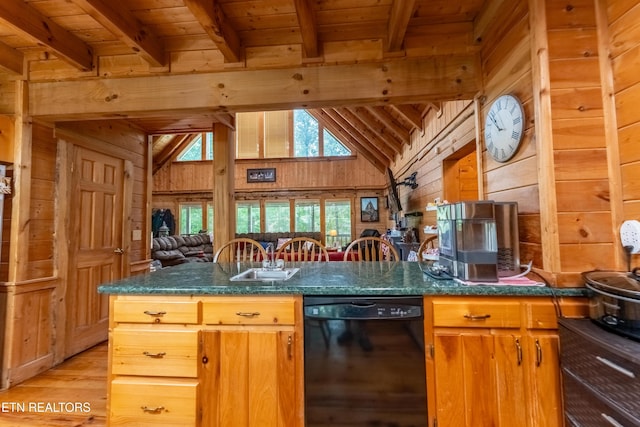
260 275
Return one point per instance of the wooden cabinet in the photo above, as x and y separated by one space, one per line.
206 361
494 361
252 362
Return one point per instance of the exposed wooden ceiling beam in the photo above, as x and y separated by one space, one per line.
410 114
392 125
229 120
379 129
401 11
11 60
308 27
171 148
28 21
116 18
210 15
364 134
387 82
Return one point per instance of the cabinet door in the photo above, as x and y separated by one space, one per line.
510 372
543 367
464 385
479 378
249 378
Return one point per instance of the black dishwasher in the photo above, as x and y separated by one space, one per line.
364 361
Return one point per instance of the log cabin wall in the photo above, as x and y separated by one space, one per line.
623 44
563 175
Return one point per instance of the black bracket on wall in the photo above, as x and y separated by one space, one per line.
410 181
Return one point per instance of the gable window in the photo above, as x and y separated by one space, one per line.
307 215
277 217
333 147
311 139
306 141
199 148
248 217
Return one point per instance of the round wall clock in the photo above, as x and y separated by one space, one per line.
503 127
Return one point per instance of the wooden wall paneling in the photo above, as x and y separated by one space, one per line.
623 81
7 138
31 346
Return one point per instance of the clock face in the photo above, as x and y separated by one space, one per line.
503 127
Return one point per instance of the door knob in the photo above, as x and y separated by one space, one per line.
118 251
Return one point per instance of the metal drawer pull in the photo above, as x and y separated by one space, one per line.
290 347
477 317
155 313
615 366
155 355
538 353
156 410
519 351
611 420
247 314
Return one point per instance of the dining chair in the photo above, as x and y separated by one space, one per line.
303 249
427 244
371 249
240 249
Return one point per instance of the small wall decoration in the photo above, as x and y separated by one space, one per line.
261 175
369 211
5 185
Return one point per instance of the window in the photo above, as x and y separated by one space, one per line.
307 215
337 215
306 142
209 217
333 147
197 150
277 217
248 217
190 218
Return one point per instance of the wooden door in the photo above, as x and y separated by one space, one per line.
96 239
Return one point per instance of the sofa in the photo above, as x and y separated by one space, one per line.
276 238
174 250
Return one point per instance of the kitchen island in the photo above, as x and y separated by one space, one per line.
190 346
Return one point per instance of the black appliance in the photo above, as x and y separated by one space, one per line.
614 300
348 382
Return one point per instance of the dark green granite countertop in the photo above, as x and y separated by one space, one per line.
329 278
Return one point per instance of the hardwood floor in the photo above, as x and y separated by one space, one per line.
72 394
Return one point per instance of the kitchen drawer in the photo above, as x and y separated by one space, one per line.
249 311
605 372
153 402
160 311
583 408
155 353
468 313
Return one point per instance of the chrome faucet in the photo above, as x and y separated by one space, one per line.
271 263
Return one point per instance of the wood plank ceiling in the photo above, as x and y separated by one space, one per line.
88 36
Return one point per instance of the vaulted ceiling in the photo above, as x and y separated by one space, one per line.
80 40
